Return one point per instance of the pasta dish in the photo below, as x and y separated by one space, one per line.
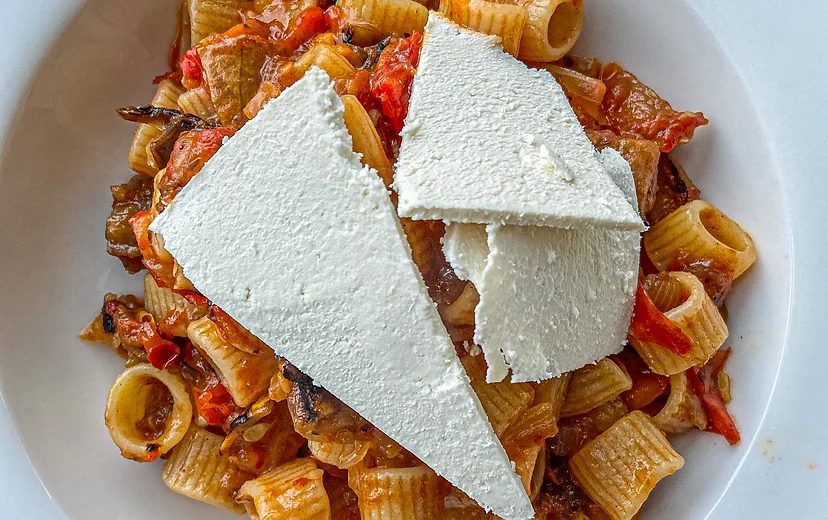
245 420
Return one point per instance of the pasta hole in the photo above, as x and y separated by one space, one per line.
564 24
723 229
156 407
665 292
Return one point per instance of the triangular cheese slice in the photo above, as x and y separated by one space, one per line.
489 140
288 233
551 300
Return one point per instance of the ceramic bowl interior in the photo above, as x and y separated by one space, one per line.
67 146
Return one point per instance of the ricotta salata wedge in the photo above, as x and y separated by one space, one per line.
551 300
291 236
489 140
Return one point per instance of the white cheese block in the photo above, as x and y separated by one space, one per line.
288 233
489 140
551 300
466 249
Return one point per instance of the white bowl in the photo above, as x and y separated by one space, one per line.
66 146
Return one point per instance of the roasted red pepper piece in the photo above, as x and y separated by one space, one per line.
160 269
647 385
309 23
651 325
213 402
141 330
391 81
191 151
193 297
161 353
633 108
193 72
704 381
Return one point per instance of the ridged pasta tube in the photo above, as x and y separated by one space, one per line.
619 468
699 233
399 494
246 376
537 423
197 470
208 17
139 160
553 390
683 410
551 30
139 392
594 385
292 491
171 311
366 139
197 102
341 455
326 58
529 465
322 55
504 20
504 401
373 20
682 298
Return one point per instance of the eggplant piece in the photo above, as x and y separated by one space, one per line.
172 124
127 200
159 117
319 415
673 189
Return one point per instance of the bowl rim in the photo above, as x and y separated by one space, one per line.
773 68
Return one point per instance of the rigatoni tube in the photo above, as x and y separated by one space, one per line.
291 491
142 399
504 20
683 410
619 468
683 300
197 470
698 233
594 385
246 376
373 20
398 493
551 30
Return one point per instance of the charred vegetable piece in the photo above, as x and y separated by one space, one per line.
673 189
160 117
191 151
172 124
127 200
705 383
318 415
632 108
213 402
391 82
136 327
651 325
643 157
